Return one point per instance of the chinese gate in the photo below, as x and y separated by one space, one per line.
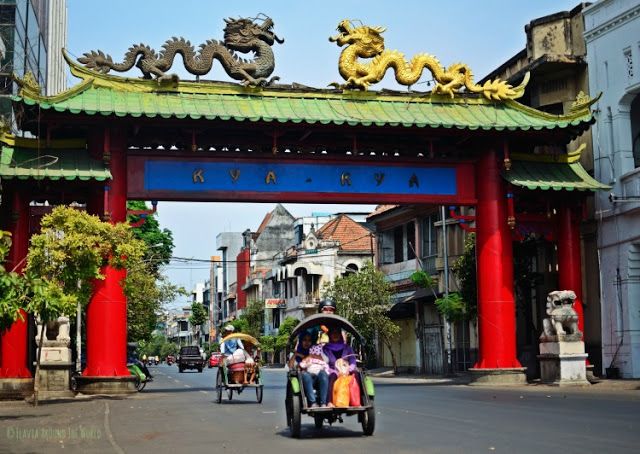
120 138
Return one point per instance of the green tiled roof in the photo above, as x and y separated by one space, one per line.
100 94
558 176
51 164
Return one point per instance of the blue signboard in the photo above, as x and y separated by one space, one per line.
179 176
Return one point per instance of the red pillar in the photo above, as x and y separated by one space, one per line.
569 261
13 343
496 305
107 310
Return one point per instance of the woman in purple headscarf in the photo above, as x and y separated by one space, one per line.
334 349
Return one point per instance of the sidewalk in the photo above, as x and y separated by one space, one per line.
386 375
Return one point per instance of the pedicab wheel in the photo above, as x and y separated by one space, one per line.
136 383
296 416
369 421
74 382
259 394
318 420
230 393
219 386
140 384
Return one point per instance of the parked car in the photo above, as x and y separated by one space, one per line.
214 360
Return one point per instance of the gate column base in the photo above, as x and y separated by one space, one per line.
106 385
512 376
15 388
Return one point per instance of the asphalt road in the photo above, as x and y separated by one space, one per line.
177 413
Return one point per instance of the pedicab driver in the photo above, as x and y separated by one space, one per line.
325 307
232 349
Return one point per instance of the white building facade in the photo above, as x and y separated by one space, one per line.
612 34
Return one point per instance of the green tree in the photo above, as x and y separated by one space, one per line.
364 298
456 306
198 317
159 241
67 256
268 346
281 340
465 270
12 287
240 324
146 295
154 346
146 288
169 348
254 315
284 331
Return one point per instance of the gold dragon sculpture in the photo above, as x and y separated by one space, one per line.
368 42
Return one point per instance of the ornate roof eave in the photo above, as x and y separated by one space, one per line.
552 172
578 118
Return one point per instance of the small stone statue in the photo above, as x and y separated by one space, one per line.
563 319
55 331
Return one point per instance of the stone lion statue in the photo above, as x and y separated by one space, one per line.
54 330
563 319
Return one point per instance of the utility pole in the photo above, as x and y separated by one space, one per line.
445 253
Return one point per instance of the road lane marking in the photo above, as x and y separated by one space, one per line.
430 415
268 412
204 392
107 430
187 386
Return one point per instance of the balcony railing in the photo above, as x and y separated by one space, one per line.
429 264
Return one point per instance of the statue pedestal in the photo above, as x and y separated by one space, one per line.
563 361
55 372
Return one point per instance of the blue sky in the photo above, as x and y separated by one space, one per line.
481 34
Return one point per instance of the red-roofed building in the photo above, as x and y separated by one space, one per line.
339 246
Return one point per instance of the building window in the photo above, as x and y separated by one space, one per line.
298 232
628 58
351 268
429 243
635 130
411 241
398 243
636 151
552 86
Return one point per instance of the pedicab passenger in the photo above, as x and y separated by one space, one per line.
315 372
305 340
337 348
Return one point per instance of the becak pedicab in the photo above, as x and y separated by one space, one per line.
240 369
360 384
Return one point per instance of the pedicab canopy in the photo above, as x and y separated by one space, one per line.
242 337
325 319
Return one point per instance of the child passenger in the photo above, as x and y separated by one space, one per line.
315 371
305 341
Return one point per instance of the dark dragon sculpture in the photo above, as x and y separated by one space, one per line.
240 35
